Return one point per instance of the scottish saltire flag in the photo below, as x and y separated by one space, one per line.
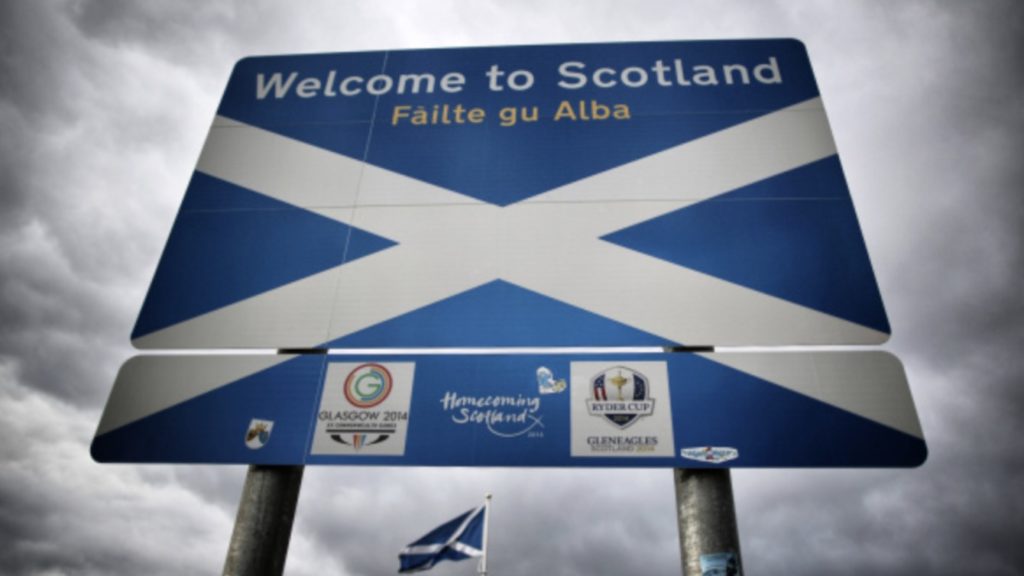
626 194
460 538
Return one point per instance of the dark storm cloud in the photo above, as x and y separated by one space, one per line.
164 26
970 181
98 141
15 105
931 137
78 157
62 513
879 522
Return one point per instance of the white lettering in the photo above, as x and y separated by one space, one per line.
520 85
350 91
415 79
329 84
574 74
570 69
639 73
492 78
728 69
373 84
604 83
280 89
768 73
308 87
659 69
453 82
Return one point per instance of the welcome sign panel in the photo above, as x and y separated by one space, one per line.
663 193
827 409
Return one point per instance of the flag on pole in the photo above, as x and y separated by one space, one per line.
464 536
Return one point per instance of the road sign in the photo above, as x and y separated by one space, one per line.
659 193
821 409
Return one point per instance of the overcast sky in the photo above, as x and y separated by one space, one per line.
104 107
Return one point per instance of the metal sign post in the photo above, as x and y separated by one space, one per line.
707 521
705 512
266 512
263 526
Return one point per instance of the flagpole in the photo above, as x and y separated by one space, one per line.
487 520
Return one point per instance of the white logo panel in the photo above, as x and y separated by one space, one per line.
620 409
364 409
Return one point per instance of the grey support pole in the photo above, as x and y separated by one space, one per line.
266 512
707 521
259 542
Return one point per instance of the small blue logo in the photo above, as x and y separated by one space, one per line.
546 383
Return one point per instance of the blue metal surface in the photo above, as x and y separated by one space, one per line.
524 410
791 234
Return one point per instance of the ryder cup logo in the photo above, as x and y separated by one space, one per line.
367 386
620 395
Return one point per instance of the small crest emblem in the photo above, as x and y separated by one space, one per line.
258 434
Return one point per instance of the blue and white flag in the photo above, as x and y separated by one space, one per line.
458 539
660 193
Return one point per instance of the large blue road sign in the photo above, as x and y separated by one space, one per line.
821 409
659 193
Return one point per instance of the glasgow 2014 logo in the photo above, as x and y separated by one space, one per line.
367 386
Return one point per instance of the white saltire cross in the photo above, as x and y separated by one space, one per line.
550 243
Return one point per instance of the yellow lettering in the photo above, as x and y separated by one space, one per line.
565 111
397 113
507 116
419 116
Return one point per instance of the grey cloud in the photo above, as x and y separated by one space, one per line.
60 512
920 522
79 166
931 142
217 486
164 25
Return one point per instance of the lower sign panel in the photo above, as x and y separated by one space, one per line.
814 409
